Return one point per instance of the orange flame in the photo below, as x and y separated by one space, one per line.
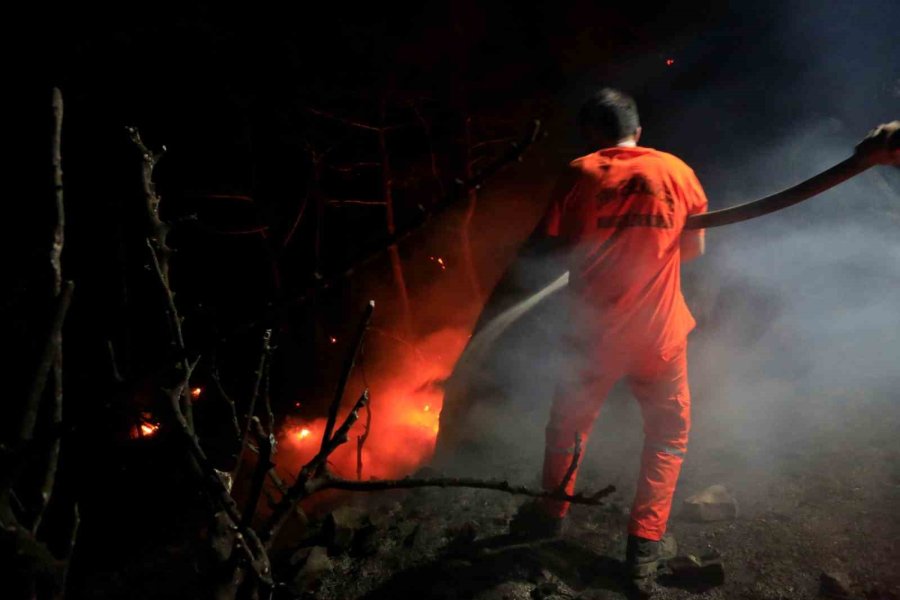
195 393
148 429
406 395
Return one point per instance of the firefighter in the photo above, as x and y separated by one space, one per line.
618 213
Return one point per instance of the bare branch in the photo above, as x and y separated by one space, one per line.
351 122
298 491
349 361
573 466
158 229
251 411
267 398
263 466
426 127
320 282
114 365
340 203
48 356
59 231
361 441
331 483
296 223
234 421
56 413
247 541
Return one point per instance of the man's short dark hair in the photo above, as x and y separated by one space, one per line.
609 113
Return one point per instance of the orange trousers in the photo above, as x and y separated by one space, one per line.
659 381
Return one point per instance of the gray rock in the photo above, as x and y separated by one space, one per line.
341 525
714 503
834 584
698 573
317 565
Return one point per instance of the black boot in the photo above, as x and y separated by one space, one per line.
643 557
531 522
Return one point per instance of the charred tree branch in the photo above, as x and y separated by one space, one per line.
48 356
263 465
361 441
298 491
251 411
347 369
246 540
331 483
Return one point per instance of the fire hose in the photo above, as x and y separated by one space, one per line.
880 147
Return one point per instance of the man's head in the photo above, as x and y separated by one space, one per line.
609 117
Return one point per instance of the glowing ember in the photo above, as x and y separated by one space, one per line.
670 62
303 433
439 261
427 408
195 393
333 340
148 429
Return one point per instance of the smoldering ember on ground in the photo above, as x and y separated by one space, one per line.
272 328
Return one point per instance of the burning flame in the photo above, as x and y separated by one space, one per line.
406 395
195 393
670 62
332 339
439 261
148 429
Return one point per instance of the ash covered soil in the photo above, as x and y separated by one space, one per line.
817 501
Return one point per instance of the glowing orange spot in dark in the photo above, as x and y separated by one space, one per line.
148 429
303 434
670 62
333 340
195 393
297 404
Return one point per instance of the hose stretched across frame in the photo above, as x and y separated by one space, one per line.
881 147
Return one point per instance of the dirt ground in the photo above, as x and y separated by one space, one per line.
816 499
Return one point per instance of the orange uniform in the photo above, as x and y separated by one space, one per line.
621 212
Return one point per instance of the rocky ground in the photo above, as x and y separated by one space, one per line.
817 518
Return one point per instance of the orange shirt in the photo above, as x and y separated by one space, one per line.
621 211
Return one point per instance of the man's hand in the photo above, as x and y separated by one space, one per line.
882 145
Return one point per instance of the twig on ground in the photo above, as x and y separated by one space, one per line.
374 485
573 466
